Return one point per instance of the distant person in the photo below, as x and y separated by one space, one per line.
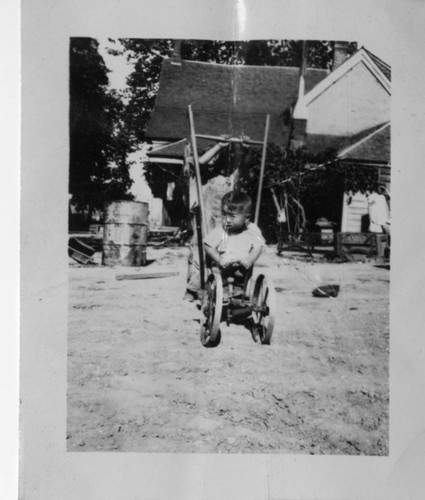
379 211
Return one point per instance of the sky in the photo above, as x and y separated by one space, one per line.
118 65
378 46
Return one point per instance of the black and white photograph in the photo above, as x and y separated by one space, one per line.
221 253
173 350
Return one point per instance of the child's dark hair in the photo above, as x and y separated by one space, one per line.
237 201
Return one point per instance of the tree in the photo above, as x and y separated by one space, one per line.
99 143
312 184
261 52
147 56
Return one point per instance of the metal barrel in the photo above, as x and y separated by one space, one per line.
125 233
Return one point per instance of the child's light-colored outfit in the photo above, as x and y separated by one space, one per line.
235 247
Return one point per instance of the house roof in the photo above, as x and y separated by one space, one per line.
235 100
383 66
373 146
226 99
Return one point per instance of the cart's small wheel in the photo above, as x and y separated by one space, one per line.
263 310
213 306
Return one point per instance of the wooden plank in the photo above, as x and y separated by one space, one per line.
145 276
275 200
230 139
197 169
202 229
165 229
263 164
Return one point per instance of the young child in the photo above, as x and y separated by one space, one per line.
239 241
236 240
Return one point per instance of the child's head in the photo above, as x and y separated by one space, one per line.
236 209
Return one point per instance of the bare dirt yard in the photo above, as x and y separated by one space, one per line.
139 379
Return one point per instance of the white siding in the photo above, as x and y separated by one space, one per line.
355 102
352 214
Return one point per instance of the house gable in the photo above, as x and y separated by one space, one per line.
354 97
361 55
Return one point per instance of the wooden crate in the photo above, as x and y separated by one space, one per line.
369 244
303 242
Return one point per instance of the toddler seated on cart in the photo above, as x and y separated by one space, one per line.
237 244
233 248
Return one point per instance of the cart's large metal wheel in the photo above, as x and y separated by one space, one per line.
212 308
263 310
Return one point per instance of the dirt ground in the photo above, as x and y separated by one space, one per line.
139 379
